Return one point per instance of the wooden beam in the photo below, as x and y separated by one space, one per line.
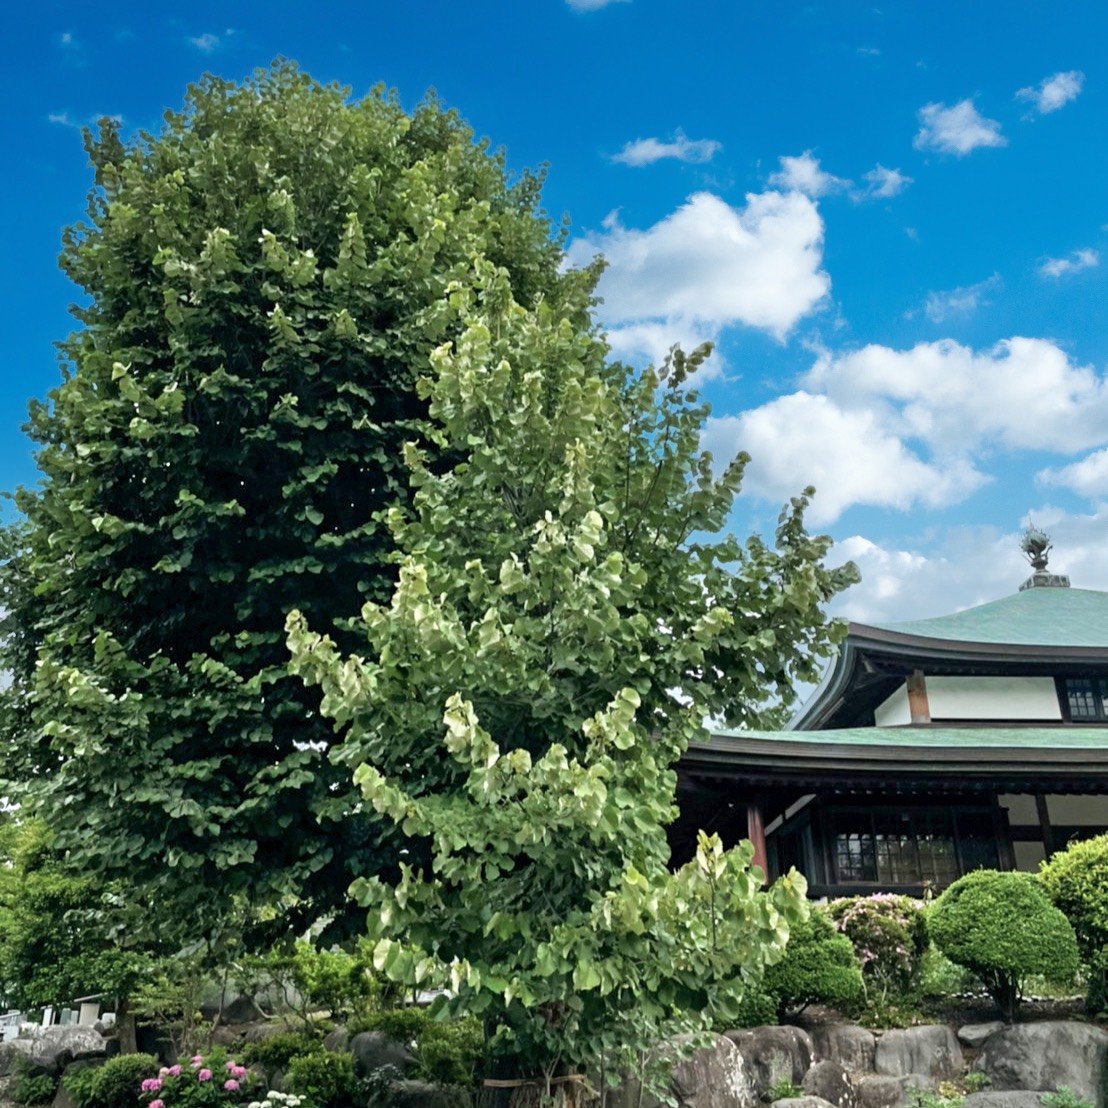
918 707
756 833
1044 823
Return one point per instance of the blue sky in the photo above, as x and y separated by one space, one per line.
892 220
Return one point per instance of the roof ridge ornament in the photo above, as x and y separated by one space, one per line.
1037 546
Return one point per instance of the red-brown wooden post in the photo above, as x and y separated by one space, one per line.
756 833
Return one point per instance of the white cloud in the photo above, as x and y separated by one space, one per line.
592 5
209 43
1073 263
883 184
849 455
958 129
896 428
709 265
1022 393
1087 477
969 566
647 151
64 119
1054 92
963 301
803 174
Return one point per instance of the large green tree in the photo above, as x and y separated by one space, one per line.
263 281
569 612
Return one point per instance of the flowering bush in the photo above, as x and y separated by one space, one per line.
889 936
204 1081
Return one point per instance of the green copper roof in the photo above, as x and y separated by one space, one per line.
1034 617
989 737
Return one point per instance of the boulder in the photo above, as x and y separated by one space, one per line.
421 1094
928 1051
336 1041
63 1098
714 1077
990 1098
374 1049
773 1054
829 1081
1048 1055
882 1091
974 1035
853 1047
259 1032
800 1102
49 1050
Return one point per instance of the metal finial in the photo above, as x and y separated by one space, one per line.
1036 545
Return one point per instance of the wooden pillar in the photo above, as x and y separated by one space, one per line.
1044 823
756 833
918 707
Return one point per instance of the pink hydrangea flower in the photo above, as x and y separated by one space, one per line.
156 1104
151 1085
197 1061
205 1074
163 1071
238 1071
174 1071
231 1085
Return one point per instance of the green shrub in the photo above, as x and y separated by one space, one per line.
783 1089
324 1079
30 1090
975 1081
115 1084
1003 927
1077 881
940 977
447 1052
818 967
276 1052
756 1009
1065 1097
889 936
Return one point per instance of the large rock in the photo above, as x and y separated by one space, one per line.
421 1094
49 1050
882 1091
800 1102
990 1098
337 1040
853 1047
1048 1055
773 1054
713 1077
974 1035
374 1049
829 1081
928 1051
63 1098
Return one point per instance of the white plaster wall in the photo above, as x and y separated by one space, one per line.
1021 809
993 698
1028 856
1078 811
893 712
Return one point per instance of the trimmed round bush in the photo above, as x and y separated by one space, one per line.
1003 928
1076 880
115 1084
889 936
276 1052
324 1079
818 967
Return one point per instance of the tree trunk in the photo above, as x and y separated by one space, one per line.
125 1021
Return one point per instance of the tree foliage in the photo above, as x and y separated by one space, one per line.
262 282
819 967
55 927
568 613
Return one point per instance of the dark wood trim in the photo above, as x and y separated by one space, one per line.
1044 824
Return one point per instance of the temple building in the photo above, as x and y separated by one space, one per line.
931 748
